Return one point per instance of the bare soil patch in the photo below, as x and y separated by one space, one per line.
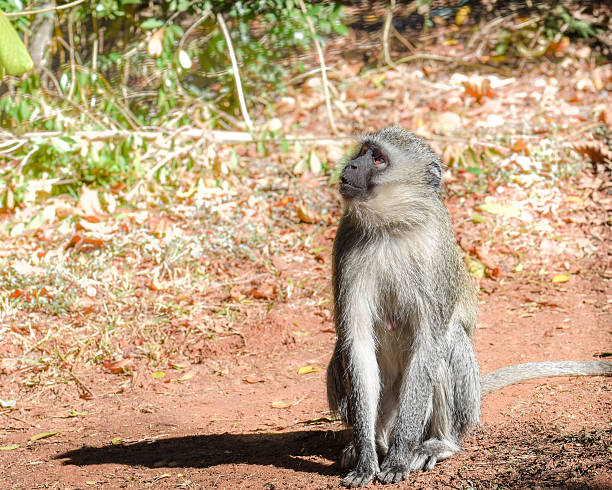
220 428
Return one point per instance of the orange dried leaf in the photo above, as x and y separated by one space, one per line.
308 216
519 146
117 366
154 284
84 243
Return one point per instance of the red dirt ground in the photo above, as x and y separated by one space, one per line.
220 430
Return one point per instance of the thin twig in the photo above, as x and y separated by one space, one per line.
72 68
330 115
426 56
402 39
43 10
230 48
82 385
385 34
204 16
213 136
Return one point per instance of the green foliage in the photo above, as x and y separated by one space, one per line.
561 17
14 57
553 24
155 62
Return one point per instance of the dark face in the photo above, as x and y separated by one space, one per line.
356 177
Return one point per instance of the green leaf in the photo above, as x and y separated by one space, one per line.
478 218
560 278
10 447
476 268
14 57
496 208
308 369
151 24
43 435
340 29
474 170
158 374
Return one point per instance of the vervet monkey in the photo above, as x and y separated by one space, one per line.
403 373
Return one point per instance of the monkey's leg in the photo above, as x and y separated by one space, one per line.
390 375
337 396
338 400
456 402
415 408
364 384
387 411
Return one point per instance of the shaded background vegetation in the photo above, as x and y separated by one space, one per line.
125 66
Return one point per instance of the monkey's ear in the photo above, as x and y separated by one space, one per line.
435 173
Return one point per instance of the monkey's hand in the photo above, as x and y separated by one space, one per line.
361 475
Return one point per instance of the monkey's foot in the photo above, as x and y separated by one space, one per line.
349 457
430 452
393 473
359 477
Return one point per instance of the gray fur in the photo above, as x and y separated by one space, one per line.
496 380
403 373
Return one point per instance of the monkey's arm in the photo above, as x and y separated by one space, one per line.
521 372
358 346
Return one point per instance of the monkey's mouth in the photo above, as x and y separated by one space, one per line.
349 190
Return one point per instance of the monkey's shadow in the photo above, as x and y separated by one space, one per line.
289 450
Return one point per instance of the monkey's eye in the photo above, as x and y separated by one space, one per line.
378 158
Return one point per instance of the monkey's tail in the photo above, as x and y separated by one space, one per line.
522 372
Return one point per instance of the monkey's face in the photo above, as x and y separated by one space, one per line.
358 176
393 176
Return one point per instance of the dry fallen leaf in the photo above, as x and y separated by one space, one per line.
155 45
186 376
475 267
560 278
264 291
89 206
117 366
280 404
495 208
84 243
307 215
308 369
597 151
574 200
479 87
